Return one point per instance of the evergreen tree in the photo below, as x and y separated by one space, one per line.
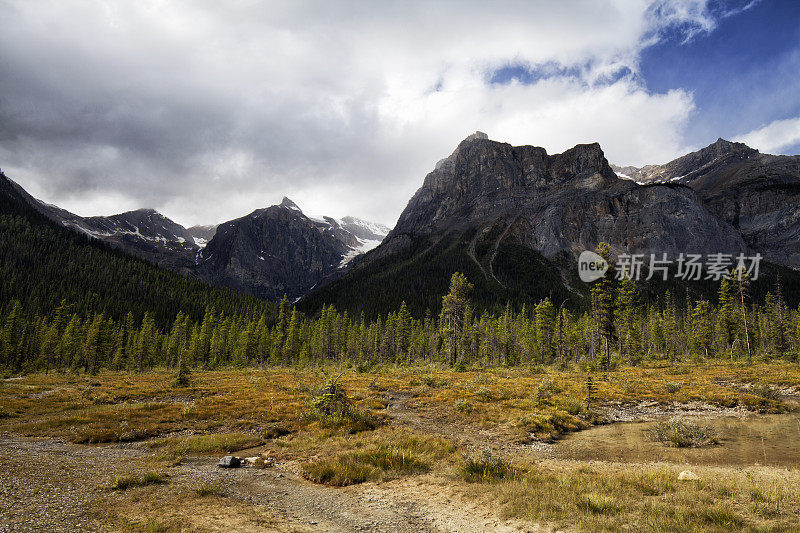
452 317
603 306
702 327
545 327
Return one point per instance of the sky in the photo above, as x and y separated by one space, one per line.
207 110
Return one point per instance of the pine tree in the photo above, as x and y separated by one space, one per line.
742 281
292 348
403 331
626 316
279 335
545 327
92 345
452 316
726 323
603 305
702 327
11 336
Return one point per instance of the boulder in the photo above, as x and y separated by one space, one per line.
688 475
229 461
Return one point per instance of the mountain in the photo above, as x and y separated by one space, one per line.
279 250
757 194
145 233
514 219
44 264
264 254
202 233
720 154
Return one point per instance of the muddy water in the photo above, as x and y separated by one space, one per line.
749 440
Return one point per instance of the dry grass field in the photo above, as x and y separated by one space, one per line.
411 449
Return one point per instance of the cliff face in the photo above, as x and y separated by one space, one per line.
514 218
757 194
569 201
279 250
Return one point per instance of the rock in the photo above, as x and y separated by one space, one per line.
279 250
229 461
688 475
755 193
542 208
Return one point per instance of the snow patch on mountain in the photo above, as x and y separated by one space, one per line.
364 247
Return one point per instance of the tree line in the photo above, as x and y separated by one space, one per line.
620 327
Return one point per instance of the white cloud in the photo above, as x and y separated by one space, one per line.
775 136
207 110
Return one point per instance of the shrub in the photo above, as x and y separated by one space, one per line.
682 433
274 431
488 468
550 426
207 488
484 393
434 382
153 478
546 389
672 388
463 406
765 390
212 443
598 504
124 482
332 399
340 471
375 463
334 409
131 481
189 410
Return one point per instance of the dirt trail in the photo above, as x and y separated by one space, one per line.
55 486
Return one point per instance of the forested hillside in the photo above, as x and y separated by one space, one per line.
49 271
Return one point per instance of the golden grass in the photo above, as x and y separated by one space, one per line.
251 399
228 410
378 457
614 497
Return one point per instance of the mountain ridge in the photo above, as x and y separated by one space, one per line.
514 218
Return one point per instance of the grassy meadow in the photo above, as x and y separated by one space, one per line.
474 430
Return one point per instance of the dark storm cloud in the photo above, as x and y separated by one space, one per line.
208 110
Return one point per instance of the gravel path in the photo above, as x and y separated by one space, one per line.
55 486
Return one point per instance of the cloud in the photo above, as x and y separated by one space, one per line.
775 136
208 110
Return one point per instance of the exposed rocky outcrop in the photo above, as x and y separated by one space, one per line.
279 250
513 219
757 194
569 201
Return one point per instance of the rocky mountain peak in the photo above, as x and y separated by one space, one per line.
478 135
288 204
717 155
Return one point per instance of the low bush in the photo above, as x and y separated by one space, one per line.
598 504
131 481
682 433
202 444
552 425
463 406
487 467
207 489
334 409
376 463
